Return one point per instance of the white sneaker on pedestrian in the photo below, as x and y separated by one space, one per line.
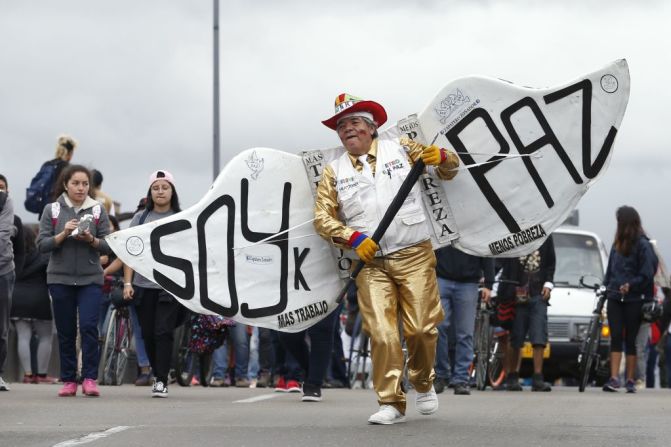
3 385
159 389
386 415
427 403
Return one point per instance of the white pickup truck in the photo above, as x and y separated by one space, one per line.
579 253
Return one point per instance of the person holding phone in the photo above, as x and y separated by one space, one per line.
72 230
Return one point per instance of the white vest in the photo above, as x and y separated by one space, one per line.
363 201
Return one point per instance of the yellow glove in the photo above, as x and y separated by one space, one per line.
432 155
364 246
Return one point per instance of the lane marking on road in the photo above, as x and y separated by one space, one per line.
93 436
257 398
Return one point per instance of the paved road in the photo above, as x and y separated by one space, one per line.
32 415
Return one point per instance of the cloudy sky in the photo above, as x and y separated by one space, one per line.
132 81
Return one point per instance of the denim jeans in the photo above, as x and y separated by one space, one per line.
68 302
253 369
459 301
531 321
140 350
641 350
220 361
239 339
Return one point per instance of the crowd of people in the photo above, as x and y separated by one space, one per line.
56 280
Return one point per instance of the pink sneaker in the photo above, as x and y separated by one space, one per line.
89 388
69 389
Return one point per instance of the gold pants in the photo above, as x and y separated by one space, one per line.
402 283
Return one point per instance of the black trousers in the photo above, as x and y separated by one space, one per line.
314 359
159 313
624 319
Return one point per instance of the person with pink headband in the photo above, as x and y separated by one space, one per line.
158 311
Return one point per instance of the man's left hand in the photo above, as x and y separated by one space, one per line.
432 155
486 294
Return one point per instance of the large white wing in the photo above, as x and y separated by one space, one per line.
532 154
231 253
527 156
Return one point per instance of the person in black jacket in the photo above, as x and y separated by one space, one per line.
31 311
458 277
528 280
630 282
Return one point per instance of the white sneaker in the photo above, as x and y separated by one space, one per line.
386 415
427 403
159 389
3 385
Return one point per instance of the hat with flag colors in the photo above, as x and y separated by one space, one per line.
348 105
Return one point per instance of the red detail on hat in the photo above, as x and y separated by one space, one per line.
379 114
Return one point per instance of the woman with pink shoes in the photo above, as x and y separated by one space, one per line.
72 230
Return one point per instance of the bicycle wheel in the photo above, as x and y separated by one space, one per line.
357 368
109 357
103 350
122 348
495 370
353 357
588 353
366 379
482 351
185 358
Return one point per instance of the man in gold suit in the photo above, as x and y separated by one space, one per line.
399 277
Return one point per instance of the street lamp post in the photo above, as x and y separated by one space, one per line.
215 142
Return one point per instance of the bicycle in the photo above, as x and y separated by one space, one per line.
117 345
588 355
359 363
482 344
496 372
195 342
359 357
182 358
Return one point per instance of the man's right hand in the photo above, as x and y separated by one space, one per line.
366 250
364 246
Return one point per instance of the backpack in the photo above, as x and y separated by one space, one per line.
38 194
207 333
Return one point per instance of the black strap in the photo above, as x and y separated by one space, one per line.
145 213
